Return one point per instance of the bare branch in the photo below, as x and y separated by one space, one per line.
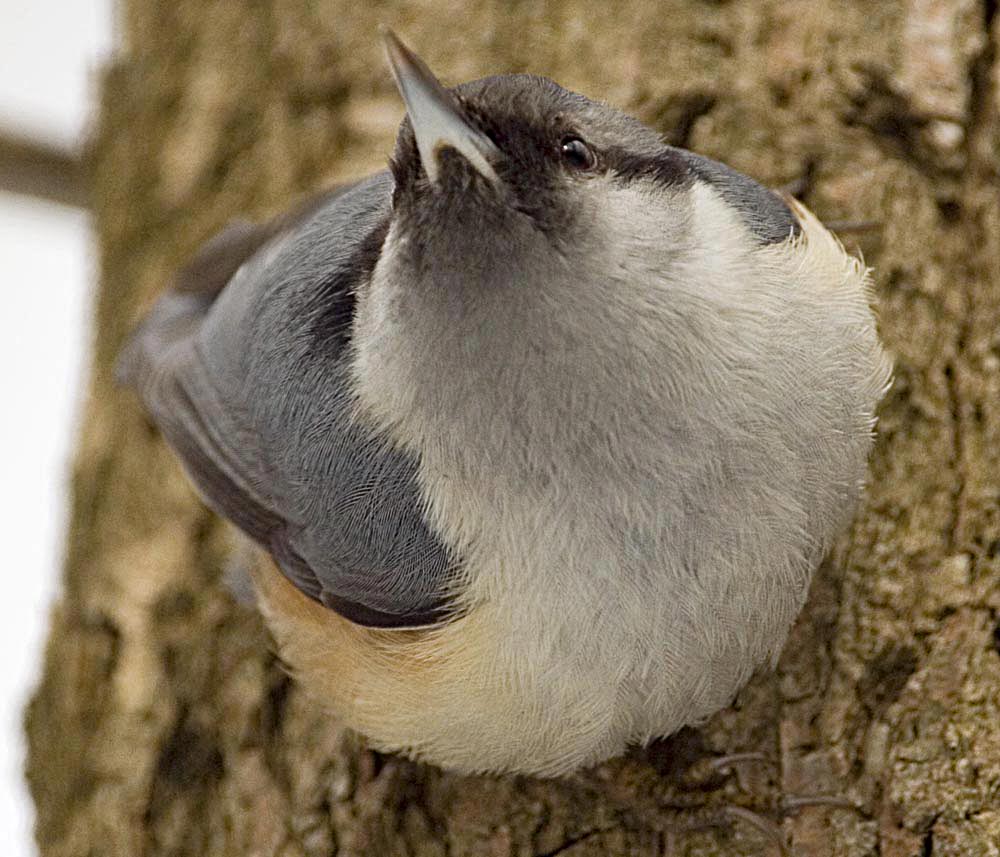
39 169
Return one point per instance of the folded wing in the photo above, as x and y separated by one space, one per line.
243 366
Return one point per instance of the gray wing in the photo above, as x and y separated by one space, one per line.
250 386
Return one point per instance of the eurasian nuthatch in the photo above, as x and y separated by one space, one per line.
545 427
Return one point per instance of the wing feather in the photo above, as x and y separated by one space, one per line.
243 366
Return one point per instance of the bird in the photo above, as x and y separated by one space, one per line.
542 430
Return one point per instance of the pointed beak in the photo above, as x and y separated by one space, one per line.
433 113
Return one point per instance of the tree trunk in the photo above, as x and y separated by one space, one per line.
164 724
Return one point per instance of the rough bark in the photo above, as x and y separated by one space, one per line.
164 725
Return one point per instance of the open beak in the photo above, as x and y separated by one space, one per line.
437 121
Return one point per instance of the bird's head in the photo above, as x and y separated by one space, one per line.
501 171
537 234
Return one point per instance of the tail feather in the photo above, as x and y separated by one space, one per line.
177 312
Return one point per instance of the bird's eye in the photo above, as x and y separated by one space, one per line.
577 154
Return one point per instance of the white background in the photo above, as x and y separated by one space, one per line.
49 52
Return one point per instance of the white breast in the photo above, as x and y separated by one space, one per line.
641 464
